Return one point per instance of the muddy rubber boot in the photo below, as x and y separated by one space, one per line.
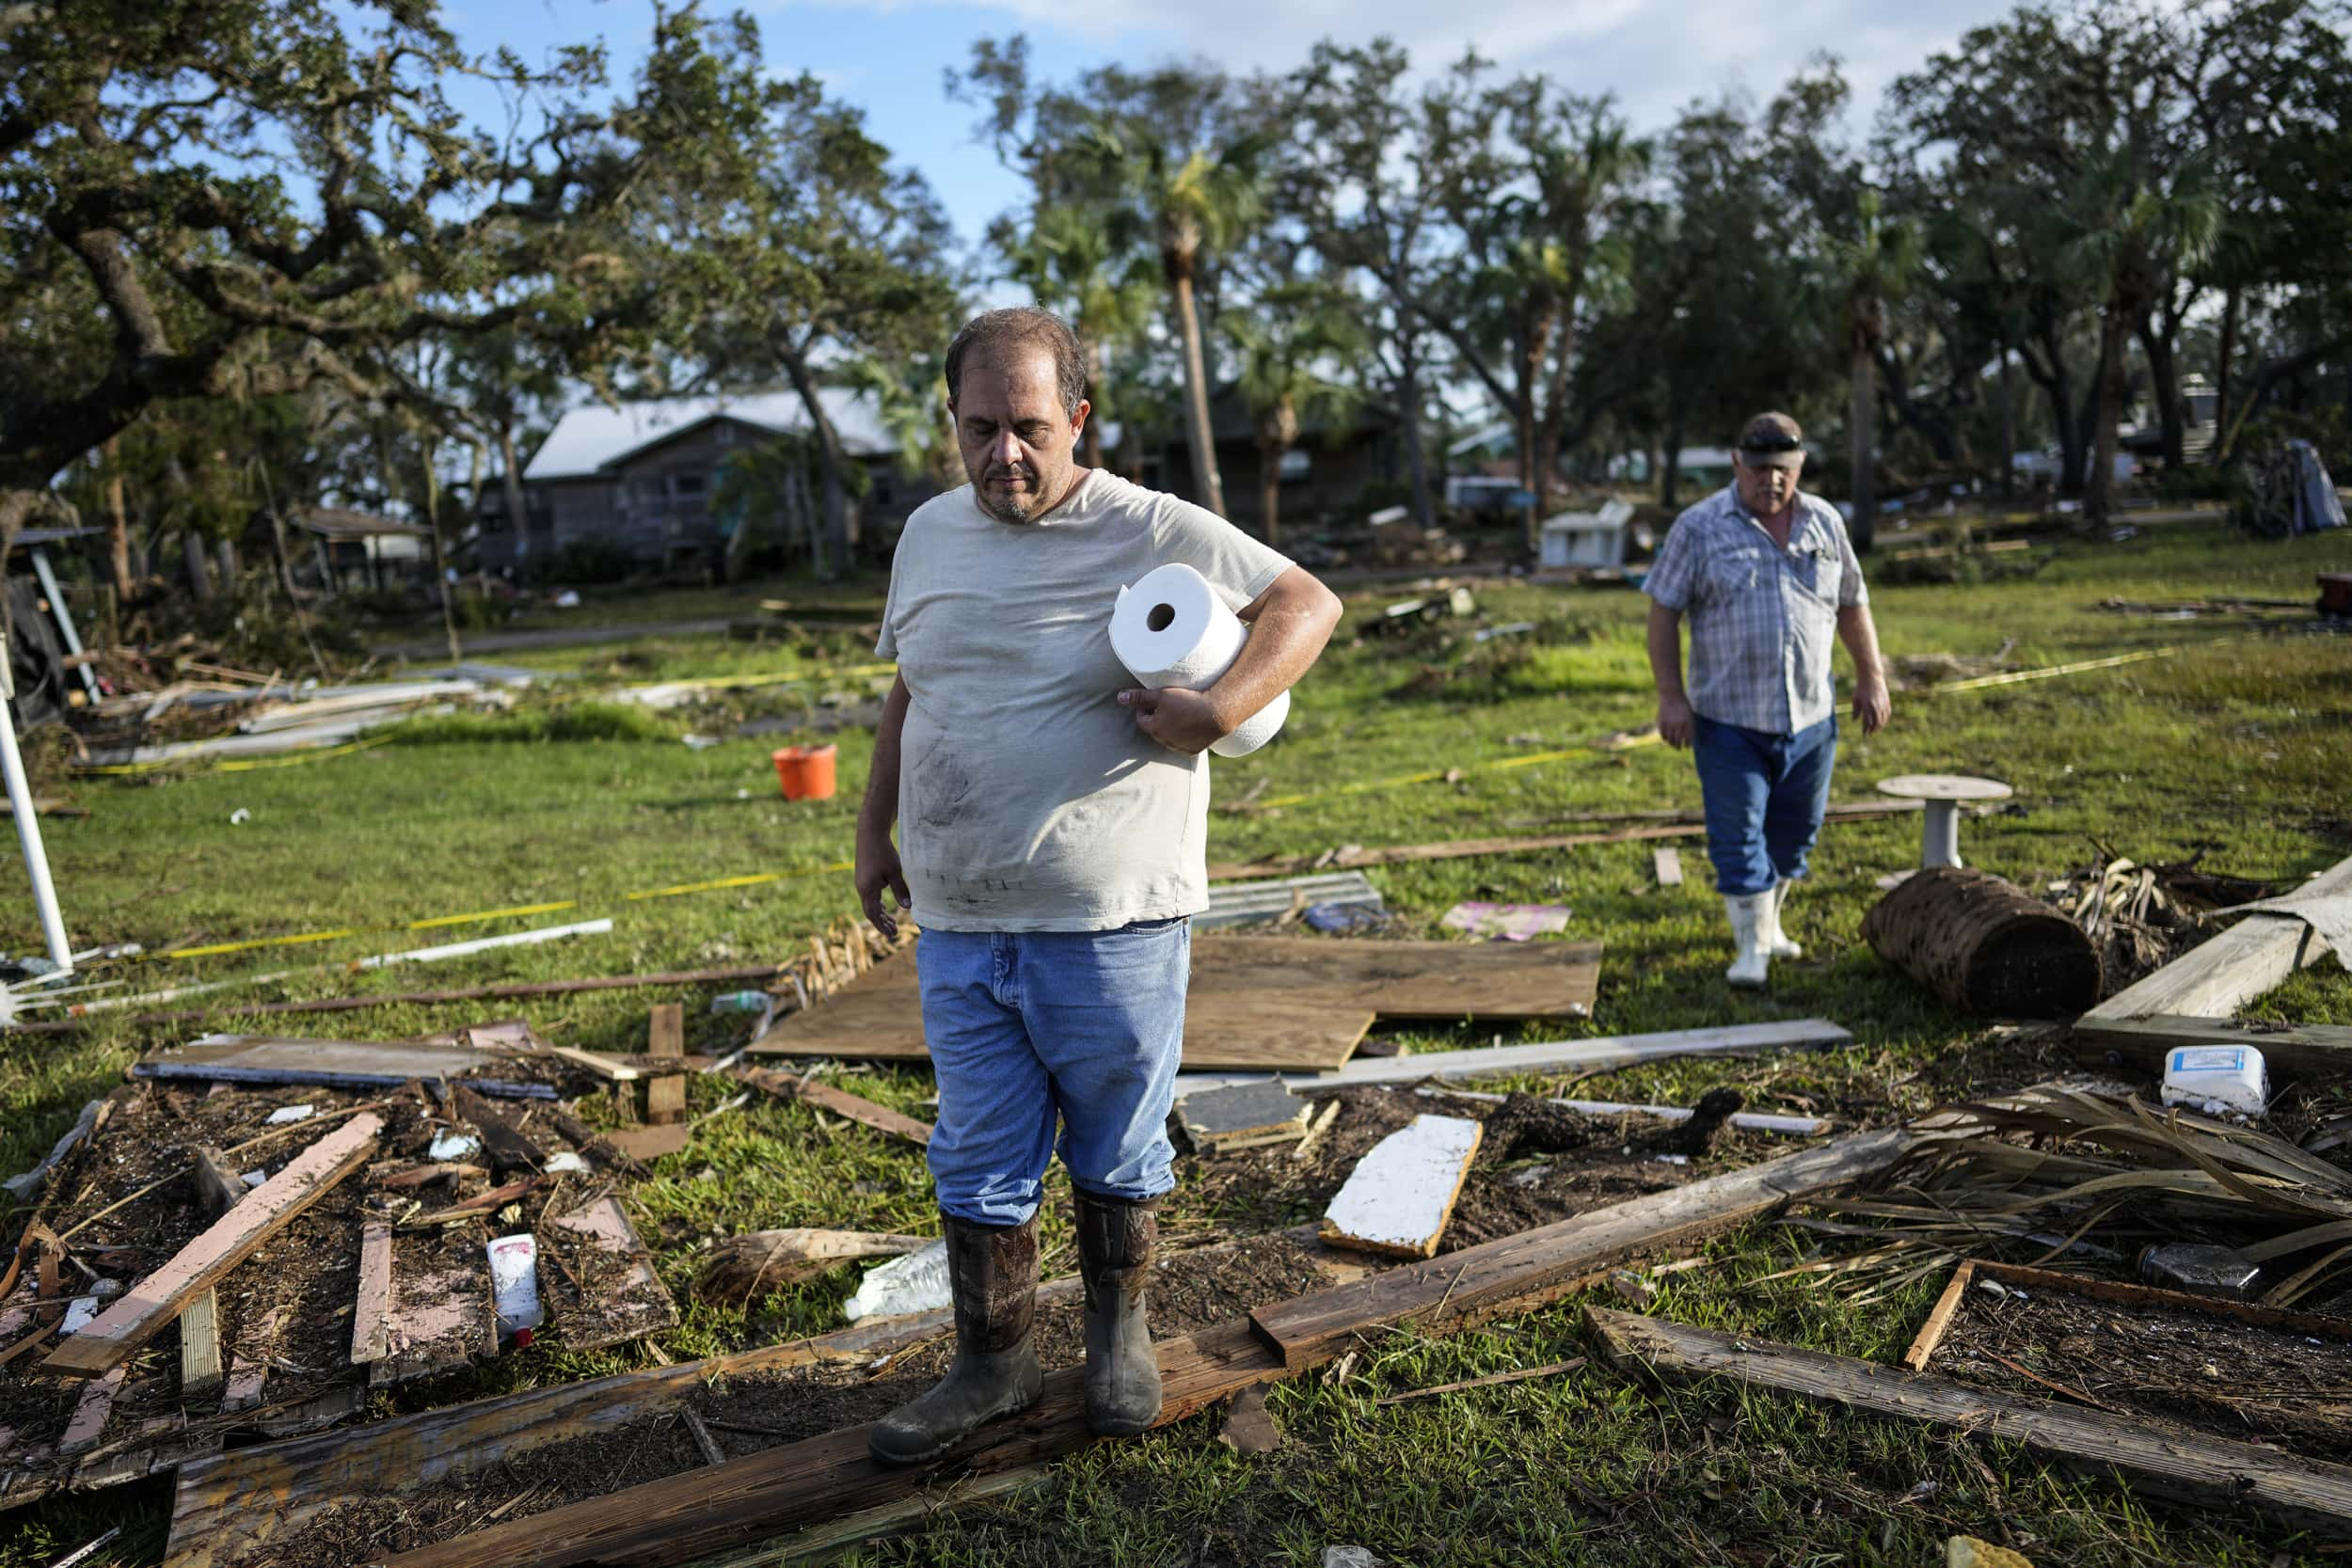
1752 961
1115 1239
991 1273
1776 942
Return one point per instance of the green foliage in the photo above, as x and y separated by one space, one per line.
560 722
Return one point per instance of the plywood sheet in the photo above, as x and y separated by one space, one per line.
1289 1003
328 1063
625 1298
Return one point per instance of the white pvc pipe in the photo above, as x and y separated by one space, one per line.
29 836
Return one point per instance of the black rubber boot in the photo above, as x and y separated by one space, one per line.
1115 1239
992 1271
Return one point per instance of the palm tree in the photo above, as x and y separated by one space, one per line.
1871 270
1089 260
2127 236
1286 345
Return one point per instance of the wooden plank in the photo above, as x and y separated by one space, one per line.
143 1310
1939 1318
665 1035
786 1085
1477 1283
2216 979
199 1345
2303 1050
638 1304
1398 1198
325 1064
438 1320
1282 1003
822 1543
1605 1054
249 1369
1668 862
2207 1473
90 1411
371 1312
619 1068
503 1143
650 1142
2317 1324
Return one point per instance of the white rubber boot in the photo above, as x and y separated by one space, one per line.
1747 913
1776 943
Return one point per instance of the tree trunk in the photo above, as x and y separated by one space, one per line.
1270 491
441 566
224 551
518 505
118 525
1416 452
1208 485
192 555
2225 357
2099 483
1670 463
2009 429
1983 945
834 559
2165 386
1861 420
1535 463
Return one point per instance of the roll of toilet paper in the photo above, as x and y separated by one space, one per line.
1171 630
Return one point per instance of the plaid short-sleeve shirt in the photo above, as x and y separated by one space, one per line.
1763 620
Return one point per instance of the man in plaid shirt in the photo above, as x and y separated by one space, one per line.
1766 575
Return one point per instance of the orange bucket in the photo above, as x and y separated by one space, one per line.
806 773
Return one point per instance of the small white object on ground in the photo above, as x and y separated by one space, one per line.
1505 922
915 1283
240 815
514 1281
254 1178
77 1315
568 599
1401 1193
1350 1556
2217 1078
285 1113
565 1163
455 1144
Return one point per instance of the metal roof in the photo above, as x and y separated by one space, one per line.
591 440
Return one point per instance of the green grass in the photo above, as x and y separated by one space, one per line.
2234 748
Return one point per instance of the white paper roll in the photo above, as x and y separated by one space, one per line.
1171 630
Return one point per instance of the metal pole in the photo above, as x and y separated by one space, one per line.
64 618
28 826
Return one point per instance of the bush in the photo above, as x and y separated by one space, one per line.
568 722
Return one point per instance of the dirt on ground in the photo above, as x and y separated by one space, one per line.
2208 1371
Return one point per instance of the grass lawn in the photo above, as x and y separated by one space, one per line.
2237 746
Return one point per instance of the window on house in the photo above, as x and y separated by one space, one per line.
879 493
687 484
1296 467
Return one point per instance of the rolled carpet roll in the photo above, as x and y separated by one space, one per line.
1171 630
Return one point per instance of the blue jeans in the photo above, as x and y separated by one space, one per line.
1029 1028
1764 796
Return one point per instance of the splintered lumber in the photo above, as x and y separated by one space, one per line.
199 1345
2213 1473
248 1371
142 1311
636 1304
1398 1199
502 1142
650 1142
437 1320
786 1085
1984 946
97 1403
371 1313
1469 1287
1245 1116
2217 977
325 1064
758 1262
620 1067
1285 1004
2301 1051
665 1035
1605 1054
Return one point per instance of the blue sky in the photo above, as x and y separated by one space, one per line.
888 55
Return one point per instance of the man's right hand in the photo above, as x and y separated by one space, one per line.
1673 721
878 869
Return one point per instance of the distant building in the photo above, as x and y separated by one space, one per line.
1324 475
639 479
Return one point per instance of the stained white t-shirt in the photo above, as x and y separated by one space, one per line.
1027 798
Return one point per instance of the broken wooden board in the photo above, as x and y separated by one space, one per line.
2302 1050
665 1035
2216 979
1296 1003
199 1345
359 1065
371 1312
616 1310
438 1319
1246 1115
142 1311
786 1085
651 1143
1398 1199
1605 1054
2207 1473
619 1068
1471 1285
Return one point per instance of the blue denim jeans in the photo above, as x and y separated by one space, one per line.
1030 1028
1764 796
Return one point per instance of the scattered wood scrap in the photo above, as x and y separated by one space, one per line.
621 1068
614 1293
502 1142
1298 1004
2297 1050
1488 1382
371 1312
1398 1199
143 1310
1246 1115
786 1085
647 1144
357 1065
744 1268
2210 1473
2217 977
665 1035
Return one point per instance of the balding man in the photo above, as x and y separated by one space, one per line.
1767 576
1053 827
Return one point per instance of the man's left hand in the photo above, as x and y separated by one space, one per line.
1873 707
1178 720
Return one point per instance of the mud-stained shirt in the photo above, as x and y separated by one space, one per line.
1027 798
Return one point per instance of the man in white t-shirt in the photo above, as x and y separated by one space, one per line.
1052 839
